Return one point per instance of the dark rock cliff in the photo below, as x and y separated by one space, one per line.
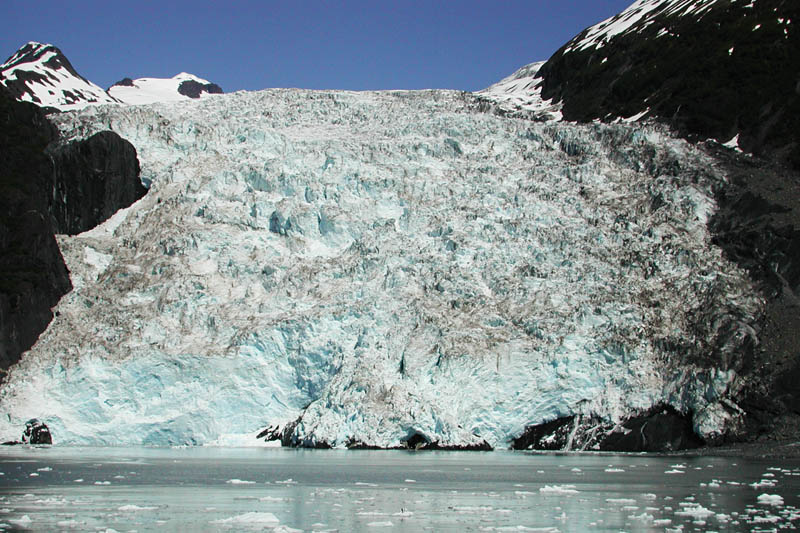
91 180
729 70
32 272
45 191
758 227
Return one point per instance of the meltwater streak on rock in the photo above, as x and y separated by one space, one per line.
378 267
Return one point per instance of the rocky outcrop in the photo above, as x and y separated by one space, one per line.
32 272
36 432
43 192
742 83
124 82
758 226
193 88
661 429
92 179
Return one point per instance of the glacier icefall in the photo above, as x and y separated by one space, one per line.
383 264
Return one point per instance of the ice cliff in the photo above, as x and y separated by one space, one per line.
366 267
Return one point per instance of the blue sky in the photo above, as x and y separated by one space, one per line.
356 45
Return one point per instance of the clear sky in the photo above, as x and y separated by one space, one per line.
357 45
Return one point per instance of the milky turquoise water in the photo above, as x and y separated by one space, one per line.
236 489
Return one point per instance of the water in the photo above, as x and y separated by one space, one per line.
219 489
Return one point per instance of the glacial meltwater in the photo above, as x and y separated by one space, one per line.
235 489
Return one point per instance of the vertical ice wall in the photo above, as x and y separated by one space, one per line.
384 264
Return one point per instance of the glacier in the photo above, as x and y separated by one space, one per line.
363 267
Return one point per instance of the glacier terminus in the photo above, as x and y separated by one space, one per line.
375 267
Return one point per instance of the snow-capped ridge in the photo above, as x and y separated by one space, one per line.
182 86
521 93
41 74
636 17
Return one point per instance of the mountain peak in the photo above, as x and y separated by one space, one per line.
41 74
34 52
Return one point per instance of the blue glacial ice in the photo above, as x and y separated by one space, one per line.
376 265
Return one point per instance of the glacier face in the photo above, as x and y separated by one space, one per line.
375 265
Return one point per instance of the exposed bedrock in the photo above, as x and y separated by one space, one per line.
193 89
44 192
758 226
660 429
32 272
741 84
92 180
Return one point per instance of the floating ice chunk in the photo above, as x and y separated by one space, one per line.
770 499
410 481
134 508
768 519
240 482
45 469
621 501
674 471
380 524
694 510
559 489
23 520
472 509
614 470
252 518
102 483
286 529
